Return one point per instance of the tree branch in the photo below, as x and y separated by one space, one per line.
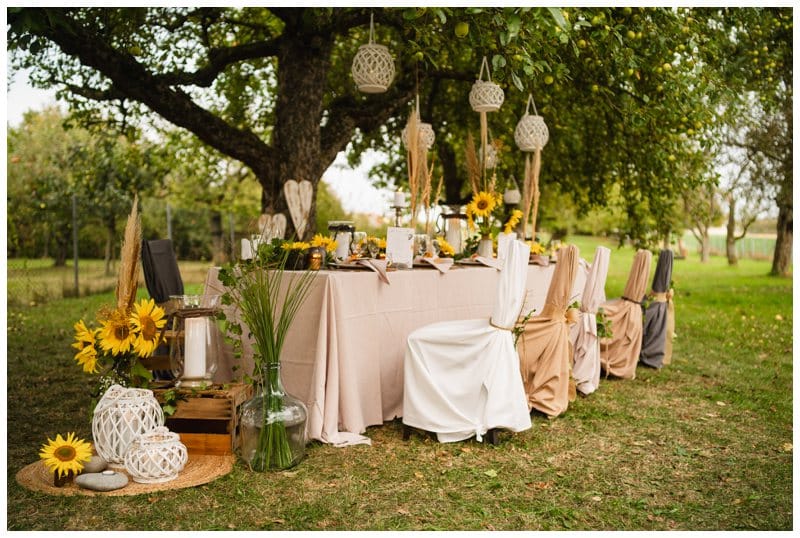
131 79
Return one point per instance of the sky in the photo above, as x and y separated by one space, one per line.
351 185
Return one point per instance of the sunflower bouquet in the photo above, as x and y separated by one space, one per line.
127 332
480 212
115 348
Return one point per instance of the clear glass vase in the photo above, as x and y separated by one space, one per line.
272 425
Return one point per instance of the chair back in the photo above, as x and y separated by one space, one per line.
160 267
663 271
558 294
594 292
636 286
512 285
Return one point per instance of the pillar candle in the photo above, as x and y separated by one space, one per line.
194 360
399 199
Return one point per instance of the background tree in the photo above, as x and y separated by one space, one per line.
40 185
621 88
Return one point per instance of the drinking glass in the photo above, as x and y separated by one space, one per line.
421 242
359 242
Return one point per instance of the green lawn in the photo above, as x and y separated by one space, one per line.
704 444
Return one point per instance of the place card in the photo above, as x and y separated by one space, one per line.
400 246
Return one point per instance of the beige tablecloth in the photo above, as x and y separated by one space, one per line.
343 356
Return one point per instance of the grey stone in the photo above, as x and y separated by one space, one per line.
105 481
95 465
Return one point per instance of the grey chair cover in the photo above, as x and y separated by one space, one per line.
655 317
160 267
162 278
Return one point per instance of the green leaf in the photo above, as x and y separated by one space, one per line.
514 23
517 82
169 409
498 61
559 17
441 14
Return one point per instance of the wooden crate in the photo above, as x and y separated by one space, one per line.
208 420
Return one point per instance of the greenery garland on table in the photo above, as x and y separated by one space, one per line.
254 288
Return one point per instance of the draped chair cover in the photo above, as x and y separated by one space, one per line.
160 267
544 348
656 332
620 353
462 377
585 342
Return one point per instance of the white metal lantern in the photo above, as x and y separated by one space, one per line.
156 456
373 66
425 135
531 132
121 415
486 96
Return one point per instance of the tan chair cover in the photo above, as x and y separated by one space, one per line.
620 353
545 352
585 342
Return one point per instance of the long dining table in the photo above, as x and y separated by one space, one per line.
343 355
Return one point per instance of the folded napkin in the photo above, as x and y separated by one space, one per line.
441 264
489 262
538 259
379 266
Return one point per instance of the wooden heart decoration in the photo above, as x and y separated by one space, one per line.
272 226
298 199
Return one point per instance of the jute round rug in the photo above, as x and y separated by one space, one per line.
200 469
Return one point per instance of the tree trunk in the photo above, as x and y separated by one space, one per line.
302 77
705 247
217 244
730 236
111 234
452 181
782 258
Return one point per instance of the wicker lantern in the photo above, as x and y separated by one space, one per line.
485 96
531 132
120 416
373 66
425 130
156 456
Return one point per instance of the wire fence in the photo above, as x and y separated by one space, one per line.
31 282
756 248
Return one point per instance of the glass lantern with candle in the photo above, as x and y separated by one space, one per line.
195 351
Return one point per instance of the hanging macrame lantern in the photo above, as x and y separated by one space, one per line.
486 96
373 66
531 132
425 130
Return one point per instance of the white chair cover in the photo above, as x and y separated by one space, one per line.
586 344
462 377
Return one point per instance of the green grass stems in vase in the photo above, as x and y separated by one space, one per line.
267 298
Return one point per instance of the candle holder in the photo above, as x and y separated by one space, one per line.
398 212
195 352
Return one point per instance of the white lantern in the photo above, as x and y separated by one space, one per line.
426 136
531 132
120 416
373 66
156 456
486 96
491 156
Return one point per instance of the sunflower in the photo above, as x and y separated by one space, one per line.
536 248
483 203
116 334
320 240
444 247
513 220
64 456
295 245
87 357
147 319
